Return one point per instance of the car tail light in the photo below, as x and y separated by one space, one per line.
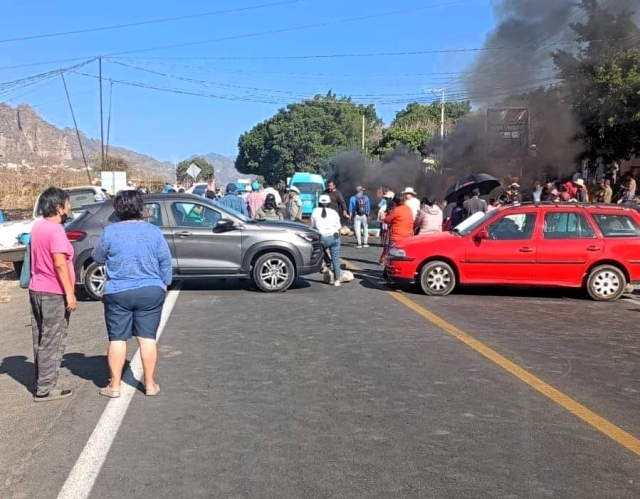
76 235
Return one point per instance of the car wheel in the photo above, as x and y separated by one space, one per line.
437 279
17 267
606 283
273 272
94 279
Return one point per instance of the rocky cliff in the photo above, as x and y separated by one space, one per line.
28 140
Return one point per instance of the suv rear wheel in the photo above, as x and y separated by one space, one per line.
95 277
273 272
437 278
606 283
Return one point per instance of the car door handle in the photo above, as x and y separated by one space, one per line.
526 250
594 248
184 233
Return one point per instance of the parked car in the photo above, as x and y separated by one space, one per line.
206 241
12 249
596 247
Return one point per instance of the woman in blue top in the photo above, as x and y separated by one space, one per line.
138 264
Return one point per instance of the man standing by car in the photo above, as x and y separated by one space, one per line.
232 201
474 204
293 208
359 209
337 201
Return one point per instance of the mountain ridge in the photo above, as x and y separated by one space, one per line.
28 140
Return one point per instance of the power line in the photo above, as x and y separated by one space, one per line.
289 29
154 21
288 93
44 63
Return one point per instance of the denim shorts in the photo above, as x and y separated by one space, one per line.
135 312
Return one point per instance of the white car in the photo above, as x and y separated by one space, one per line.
10 248
197 189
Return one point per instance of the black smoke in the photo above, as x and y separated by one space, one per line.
398 169
517 70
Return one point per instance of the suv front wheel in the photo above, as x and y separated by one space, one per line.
273 272
95 277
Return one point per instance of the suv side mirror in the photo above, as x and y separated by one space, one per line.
224 225
483 235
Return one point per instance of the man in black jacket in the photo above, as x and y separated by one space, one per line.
337 201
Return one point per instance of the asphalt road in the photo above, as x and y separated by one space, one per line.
343 393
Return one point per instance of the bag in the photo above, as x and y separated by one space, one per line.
25 273
361 205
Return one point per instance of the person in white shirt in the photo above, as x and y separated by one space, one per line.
327 221
411 200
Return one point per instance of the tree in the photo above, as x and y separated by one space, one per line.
304 136
114 164
417 124
603 83
206 169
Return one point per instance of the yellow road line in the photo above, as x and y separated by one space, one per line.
615 433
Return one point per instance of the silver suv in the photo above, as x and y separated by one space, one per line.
206 241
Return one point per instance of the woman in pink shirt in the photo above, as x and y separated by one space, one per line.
51 292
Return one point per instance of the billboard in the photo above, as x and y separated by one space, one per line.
507 131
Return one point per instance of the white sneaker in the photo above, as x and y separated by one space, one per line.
359 246
365 245
337 283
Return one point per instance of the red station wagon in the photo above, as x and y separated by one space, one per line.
561 245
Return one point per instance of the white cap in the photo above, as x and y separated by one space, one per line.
324 199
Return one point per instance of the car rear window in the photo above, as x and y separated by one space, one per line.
79 197
617 225
198 190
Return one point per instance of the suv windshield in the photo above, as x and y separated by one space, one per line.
475 220
309 187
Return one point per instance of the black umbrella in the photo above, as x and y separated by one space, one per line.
483 181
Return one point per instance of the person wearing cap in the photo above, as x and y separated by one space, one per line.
383 210
232 201
514 193
293 208
582 196
359 210
255 199
327 221
410 200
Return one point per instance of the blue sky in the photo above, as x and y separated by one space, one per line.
172 126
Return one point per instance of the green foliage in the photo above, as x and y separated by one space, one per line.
113 164
206 169
417 124
603 83
303 137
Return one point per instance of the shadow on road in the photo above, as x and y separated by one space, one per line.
233 285
90 368
20 369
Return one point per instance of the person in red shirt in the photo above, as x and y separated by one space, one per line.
400 222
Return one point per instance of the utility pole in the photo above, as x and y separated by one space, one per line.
101 116
363 122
